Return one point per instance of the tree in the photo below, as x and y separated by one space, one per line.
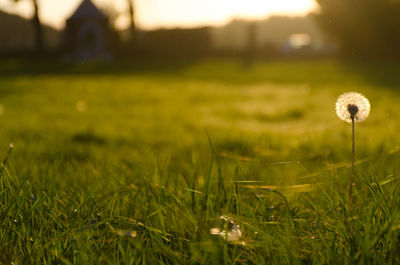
37 27
132 18
363 27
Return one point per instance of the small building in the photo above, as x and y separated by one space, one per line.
88 34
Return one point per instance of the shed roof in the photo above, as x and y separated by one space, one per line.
87 10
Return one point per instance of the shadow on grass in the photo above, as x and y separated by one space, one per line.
123 67
381 73
317 71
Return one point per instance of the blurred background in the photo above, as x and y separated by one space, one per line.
111 30
91 81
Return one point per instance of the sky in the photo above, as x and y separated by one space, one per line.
166 13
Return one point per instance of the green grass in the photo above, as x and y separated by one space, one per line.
102 151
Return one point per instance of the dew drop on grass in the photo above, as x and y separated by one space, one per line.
81 106
126 233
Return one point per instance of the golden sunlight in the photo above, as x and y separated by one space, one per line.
168 13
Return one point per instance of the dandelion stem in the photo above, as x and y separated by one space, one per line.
352 162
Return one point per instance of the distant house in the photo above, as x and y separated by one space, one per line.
88 34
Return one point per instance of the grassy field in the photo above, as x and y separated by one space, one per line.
135 164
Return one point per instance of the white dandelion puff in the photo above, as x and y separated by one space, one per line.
352 105
232 234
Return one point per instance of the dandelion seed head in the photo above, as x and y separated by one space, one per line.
232 234
352 105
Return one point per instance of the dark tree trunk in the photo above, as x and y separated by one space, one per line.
132 18
37 28
251 48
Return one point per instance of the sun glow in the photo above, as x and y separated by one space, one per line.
168 13
262 7
193 12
